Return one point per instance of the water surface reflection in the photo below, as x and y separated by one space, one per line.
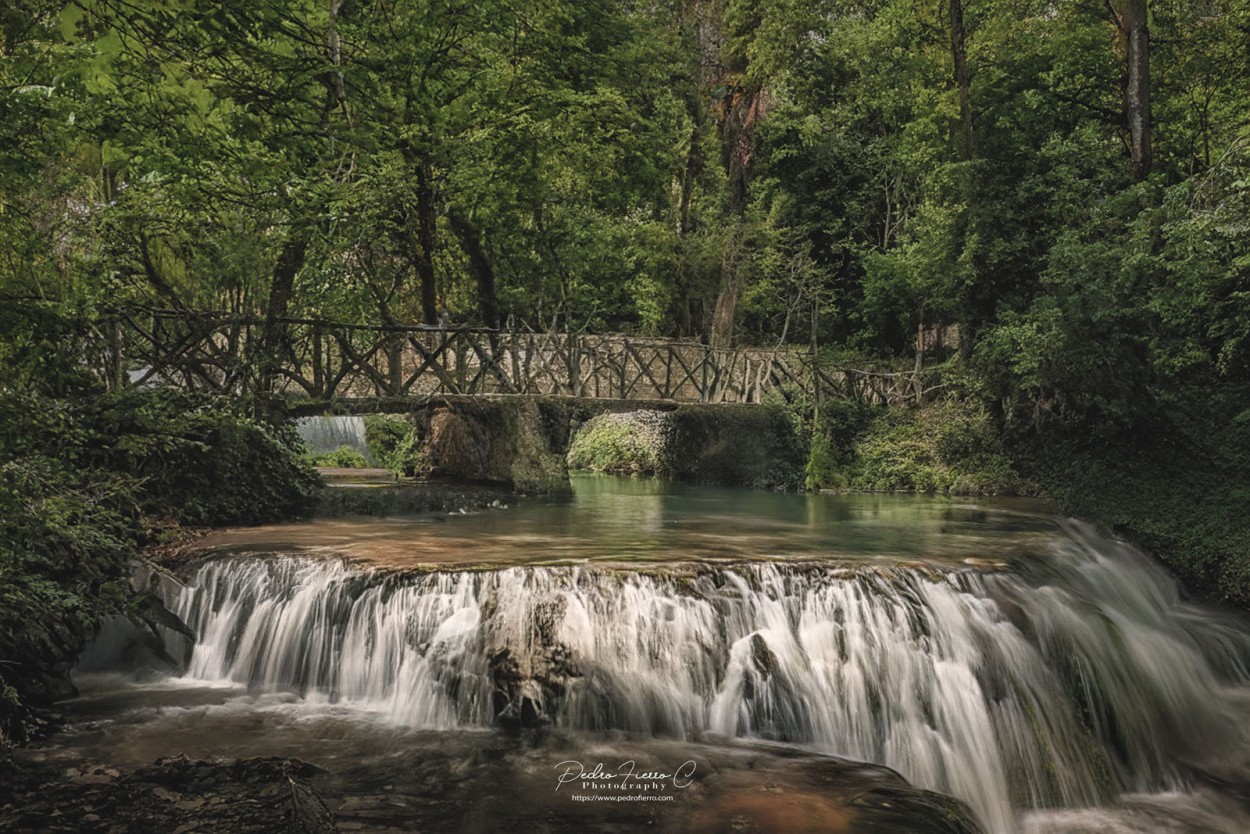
647 520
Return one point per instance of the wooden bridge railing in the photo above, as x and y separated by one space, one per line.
321 360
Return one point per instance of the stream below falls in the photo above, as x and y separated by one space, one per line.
1048 676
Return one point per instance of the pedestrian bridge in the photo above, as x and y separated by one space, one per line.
312 361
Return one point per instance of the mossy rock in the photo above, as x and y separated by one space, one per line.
517 441
734 445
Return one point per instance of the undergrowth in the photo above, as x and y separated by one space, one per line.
948 446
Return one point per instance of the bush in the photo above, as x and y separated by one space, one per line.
395 444
1176 484
344 457
948 446
85 482
199 460
735 445
66 542
838 424
622 443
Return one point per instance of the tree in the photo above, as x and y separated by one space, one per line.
1131 18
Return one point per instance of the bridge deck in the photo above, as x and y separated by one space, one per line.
327 362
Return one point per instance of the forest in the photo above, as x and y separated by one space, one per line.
1048 201
1017 180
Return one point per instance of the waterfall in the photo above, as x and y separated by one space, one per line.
327 433
1074 676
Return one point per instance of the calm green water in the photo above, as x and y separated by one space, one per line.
611 517
648 521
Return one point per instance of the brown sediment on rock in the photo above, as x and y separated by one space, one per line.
730 788
457 540
348 476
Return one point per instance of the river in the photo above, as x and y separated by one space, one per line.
1048 676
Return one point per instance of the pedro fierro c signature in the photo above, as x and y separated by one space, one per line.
626 776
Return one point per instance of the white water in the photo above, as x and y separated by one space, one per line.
1062 684
329 432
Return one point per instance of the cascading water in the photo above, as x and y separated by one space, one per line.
1075 676
329 432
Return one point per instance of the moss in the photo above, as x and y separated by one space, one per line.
516 441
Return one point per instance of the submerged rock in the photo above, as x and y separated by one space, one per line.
409 498
557 784
480 784
176 795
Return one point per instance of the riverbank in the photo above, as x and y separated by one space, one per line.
88 480
1174 481
1178 485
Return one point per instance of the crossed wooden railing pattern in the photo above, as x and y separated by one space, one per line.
322 360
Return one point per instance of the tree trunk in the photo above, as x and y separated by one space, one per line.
154 276
281 289
1133 22
336 55
427 219
722 332
470 238
742 112
684 305
974 297
959 52
917 379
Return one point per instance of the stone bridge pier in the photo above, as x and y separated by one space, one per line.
522 442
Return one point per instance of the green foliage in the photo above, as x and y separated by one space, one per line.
85 481
66 539
383 434
410 457
1175 484
40 348
166 153
837 426
606 165
396 445
199 460
737 445
950 446
344 457
609 444
1150 295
